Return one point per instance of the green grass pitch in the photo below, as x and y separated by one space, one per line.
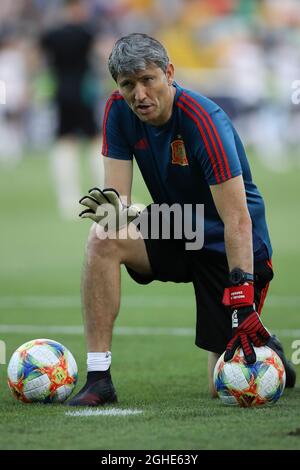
156 366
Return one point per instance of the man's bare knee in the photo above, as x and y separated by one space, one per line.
212 360
212 391
100 245
128 251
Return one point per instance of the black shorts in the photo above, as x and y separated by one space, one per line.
209 272
76 119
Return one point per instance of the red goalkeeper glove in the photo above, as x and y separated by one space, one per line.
247 328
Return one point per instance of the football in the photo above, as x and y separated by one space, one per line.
261 383
42 370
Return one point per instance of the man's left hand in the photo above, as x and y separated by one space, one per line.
247 328
250 332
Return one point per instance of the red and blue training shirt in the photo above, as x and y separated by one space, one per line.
179 160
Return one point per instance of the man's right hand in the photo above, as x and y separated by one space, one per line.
106 208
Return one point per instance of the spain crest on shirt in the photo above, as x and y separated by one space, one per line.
178 152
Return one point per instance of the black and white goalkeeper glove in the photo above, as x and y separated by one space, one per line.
106 208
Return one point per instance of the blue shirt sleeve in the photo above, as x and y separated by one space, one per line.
218 153
114 141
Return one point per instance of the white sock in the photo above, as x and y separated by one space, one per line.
97 164
97 361
64 161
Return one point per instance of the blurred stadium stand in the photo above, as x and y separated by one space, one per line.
243 54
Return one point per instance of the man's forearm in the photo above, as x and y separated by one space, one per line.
238 244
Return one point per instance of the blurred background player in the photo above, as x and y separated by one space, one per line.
13 73
69 48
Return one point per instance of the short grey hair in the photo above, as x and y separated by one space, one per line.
135 52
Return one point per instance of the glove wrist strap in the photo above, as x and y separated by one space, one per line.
239 296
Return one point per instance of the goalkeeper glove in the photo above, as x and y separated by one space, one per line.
247 328
106 208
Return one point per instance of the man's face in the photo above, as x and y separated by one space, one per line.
149 93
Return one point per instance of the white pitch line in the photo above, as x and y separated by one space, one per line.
119 330
78 330
55 329
109 412
128 301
